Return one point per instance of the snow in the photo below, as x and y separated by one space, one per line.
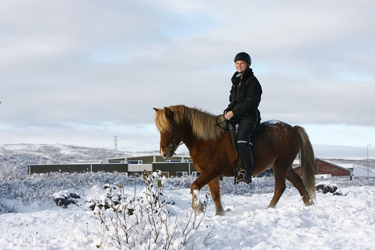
54 153
272 122
334 222
30 219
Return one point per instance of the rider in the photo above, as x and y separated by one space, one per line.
244 98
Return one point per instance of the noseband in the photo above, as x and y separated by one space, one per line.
172 147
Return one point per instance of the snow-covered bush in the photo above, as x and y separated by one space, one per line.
63 198
147 217
26 189
17 187
324 188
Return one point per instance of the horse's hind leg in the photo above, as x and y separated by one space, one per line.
279 172
214 186
279 190
298 184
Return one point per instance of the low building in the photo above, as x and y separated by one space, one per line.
360 173
77 168
174 167
147 159
327 170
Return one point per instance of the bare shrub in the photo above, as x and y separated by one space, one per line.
144 222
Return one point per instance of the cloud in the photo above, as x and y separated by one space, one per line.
98 66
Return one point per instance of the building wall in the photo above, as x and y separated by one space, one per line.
324 168
122 167
168 168
144 159
70 168
148 159
78 168
174 168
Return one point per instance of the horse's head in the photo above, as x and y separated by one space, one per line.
169 139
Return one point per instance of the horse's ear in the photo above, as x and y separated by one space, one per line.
168 112
156 110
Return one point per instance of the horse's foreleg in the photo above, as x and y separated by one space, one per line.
214 186
203 179
196 204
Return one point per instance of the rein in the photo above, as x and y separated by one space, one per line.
220 123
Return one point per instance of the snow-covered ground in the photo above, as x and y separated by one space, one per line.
30 218
334 222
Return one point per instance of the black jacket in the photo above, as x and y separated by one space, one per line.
245 97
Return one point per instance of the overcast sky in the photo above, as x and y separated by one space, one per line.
83 72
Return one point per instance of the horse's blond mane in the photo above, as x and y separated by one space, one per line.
204 124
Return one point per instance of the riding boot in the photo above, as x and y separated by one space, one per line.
246 157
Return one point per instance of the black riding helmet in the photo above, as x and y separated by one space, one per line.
244 57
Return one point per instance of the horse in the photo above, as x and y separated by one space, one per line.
213 154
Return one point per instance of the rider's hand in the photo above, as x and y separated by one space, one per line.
228 115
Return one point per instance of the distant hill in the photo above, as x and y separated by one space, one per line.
341 152
23 154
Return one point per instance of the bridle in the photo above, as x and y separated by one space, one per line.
172 146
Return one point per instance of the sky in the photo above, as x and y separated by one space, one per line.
83 72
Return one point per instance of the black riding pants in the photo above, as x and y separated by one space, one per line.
245 128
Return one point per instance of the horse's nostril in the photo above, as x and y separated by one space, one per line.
165 155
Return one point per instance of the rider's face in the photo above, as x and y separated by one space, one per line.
241 66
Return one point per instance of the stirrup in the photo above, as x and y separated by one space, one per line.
235 171
242 176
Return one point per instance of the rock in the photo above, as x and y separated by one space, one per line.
64 198
328 188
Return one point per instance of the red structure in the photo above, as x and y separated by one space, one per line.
324 167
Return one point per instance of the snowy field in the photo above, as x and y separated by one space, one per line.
30 219
334 222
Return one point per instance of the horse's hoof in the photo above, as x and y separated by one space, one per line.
309 203
198 207
220 213
198 212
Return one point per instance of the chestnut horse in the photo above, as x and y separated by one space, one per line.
209 143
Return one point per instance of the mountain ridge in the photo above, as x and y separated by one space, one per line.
23 154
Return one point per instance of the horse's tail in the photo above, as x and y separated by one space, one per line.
307 162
